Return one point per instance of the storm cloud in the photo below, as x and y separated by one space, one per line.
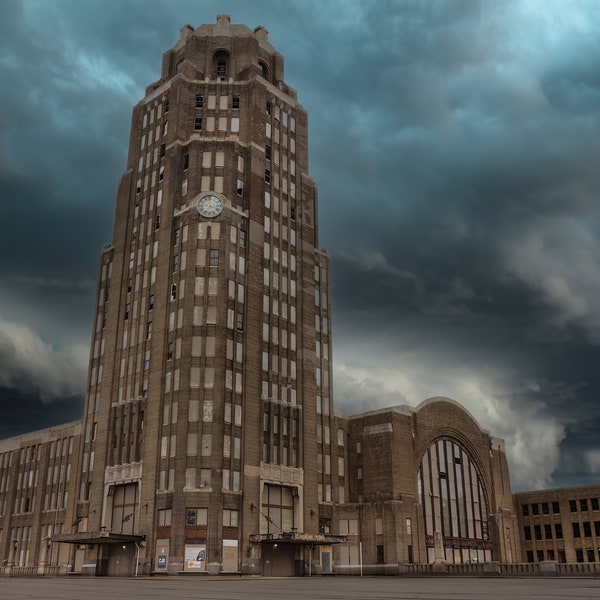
456 148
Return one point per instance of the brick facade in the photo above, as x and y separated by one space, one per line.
560 525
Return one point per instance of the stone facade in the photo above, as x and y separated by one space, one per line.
415 471
37 496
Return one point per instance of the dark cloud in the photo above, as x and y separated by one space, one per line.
455 145
23 412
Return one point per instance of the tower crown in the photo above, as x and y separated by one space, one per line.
223 52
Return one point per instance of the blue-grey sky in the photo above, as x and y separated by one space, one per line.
457 151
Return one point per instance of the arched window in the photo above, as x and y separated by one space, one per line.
221 64
265 70
453 501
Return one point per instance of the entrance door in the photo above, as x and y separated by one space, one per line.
230 556
325 561
79 557
121 561
278 560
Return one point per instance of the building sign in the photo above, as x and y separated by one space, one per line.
195 558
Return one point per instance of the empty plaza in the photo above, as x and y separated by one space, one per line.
322 588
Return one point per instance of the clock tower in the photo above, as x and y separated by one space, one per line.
208 439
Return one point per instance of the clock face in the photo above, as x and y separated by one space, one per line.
209 205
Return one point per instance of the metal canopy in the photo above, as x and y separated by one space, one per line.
97 537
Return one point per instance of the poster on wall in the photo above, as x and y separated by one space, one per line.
195 557
162 555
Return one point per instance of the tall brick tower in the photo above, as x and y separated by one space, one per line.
207 443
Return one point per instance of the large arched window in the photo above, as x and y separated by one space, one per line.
453 501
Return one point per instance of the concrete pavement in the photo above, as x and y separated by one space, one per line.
321 588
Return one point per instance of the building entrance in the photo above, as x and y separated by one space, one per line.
278 560
121 560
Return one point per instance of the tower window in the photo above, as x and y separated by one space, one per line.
269 108
198 123
151 302
199 100
293 213
268 152
163 150
157 222
167 105
170 351
268 175
213 260
235 102
264 70
186 161
173 291
221 68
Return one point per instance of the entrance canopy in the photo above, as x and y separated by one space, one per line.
293 537
97 537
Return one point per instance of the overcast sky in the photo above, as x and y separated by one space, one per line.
456 146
